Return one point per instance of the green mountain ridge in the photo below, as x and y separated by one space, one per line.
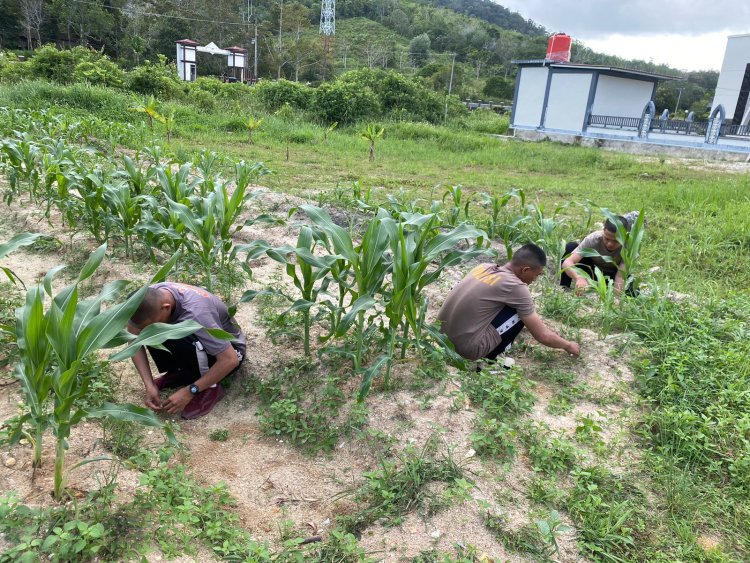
412 36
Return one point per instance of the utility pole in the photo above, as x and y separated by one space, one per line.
251 18
450 86
679 95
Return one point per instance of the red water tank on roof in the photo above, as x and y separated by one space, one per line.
558 48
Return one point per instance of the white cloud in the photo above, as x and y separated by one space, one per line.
590 19
685 34
700 52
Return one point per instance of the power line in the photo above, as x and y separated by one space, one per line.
153 14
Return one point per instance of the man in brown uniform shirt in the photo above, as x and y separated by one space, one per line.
605 243
485 312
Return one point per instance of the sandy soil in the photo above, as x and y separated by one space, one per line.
273 481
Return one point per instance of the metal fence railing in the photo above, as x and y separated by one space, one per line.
615 122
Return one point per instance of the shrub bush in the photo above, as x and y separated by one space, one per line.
219 89
399 96
499 88
274 94
101 72
157 79
344 102
11 69
59 65
205 101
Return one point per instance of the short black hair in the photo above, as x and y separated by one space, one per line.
612 228
529 255
148 308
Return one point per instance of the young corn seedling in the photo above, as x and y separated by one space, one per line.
176 186
200 221
126 211
20 157
308 272
631 241
603 286
55 341
496 204
138 177
456 194
207 164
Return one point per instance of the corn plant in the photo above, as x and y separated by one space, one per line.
126 209
200 233
366 263
168 121
96 216
54 342
177 186
208 161
308 272
420 253
138 177
631 241
603 286
496 205
24 239
456 194
228 208
21 156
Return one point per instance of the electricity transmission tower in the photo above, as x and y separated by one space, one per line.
328 23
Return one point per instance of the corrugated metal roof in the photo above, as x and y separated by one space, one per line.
605 68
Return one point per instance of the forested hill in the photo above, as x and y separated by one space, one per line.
491 12
412 36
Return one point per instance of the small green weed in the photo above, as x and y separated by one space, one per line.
494 439
538 539
400 486
219 435
500 395
548 452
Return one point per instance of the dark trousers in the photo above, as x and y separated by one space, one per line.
183 358
586 264
508 325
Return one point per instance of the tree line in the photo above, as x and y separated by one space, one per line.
413 36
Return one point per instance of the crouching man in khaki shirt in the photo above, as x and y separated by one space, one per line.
485 312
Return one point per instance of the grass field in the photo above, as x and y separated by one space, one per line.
637 452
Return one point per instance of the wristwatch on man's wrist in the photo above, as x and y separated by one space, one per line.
194 390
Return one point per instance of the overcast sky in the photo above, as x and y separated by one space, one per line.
686 34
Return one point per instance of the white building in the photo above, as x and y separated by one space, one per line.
562 97
734 81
